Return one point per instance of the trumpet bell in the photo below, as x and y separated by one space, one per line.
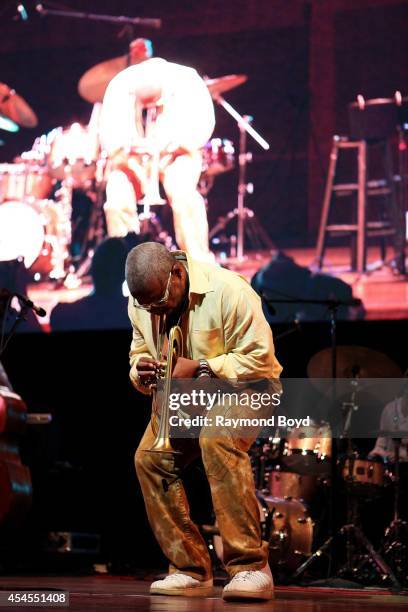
162 442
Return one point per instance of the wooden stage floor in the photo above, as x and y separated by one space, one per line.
384 294
116 593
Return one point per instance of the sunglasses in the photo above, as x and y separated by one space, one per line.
161 302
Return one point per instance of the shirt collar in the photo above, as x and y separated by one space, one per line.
197 274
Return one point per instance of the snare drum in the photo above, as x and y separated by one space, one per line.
218 156
23 181
75 149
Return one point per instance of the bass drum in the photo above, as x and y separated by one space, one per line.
21 232
285 524
30 231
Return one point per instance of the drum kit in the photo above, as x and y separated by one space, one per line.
38 187
293 474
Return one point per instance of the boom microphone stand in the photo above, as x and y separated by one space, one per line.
118 20
246 219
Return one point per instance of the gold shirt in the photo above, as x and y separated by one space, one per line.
223 324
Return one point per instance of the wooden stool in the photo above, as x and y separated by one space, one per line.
362 192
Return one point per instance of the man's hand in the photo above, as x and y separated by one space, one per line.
148 370
185 368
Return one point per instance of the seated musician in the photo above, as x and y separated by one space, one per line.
156 117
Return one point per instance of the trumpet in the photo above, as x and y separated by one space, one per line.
162 443
152 195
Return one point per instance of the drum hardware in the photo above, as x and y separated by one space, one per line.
395 544
346 362
357 475
246 219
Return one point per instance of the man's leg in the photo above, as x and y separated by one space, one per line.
120 206
180 179
229 473
168 510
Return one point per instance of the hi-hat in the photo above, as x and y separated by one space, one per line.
219 85
93 83
353 361
14 107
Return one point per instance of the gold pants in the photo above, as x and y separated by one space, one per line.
229 473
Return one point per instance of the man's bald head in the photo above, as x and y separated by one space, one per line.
140 50
147 264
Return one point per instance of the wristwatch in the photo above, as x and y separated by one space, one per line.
203 369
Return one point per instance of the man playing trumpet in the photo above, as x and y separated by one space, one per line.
226 336
156 116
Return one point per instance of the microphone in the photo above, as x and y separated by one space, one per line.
5 294
21 10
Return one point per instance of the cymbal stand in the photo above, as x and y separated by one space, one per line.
64 230
395 544
96 229
246 219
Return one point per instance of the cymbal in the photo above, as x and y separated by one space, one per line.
353 361
14 107
218 85
93 83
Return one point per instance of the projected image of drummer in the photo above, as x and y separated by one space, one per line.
156 117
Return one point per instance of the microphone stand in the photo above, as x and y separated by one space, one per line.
118 20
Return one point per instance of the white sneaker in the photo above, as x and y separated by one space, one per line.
250 585
182 584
